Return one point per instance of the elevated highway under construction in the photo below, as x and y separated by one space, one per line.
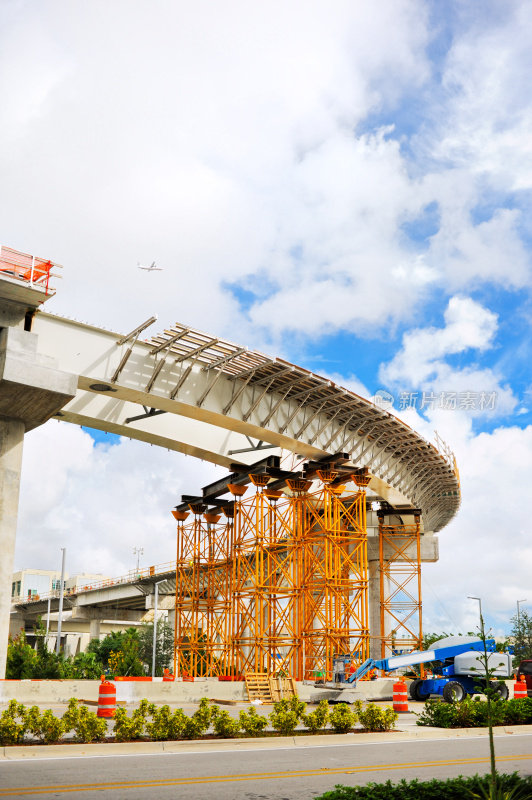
284 564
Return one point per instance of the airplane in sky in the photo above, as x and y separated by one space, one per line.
151 268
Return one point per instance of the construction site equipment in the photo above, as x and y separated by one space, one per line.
462 671
278 584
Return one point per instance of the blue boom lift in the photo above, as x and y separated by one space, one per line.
462 672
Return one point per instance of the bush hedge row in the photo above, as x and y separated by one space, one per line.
159 723
452 789
474 713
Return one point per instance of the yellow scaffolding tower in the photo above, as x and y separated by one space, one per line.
279 586
400 586
334 589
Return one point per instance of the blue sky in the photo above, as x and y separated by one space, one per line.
344 185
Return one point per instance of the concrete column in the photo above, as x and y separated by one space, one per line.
374 602
94 628
11 443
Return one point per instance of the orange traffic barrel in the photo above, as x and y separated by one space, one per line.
400 696
106 699
167 675
519 688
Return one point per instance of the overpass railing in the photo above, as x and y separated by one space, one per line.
30 269
131 577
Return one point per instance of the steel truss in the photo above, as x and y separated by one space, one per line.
400 587
278 584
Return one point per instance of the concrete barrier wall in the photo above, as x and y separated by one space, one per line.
172 692
32 692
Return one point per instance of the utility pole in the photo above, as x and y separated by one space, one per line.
60 615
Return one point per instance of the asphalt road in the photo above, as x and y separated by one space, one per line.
259 774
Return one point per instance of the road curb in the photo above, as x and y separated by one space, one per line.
39 752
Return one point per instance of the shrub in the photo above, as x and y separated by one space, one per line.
519 711
474 713
165 725
128 728
198 724
71 715
89 727
21 658
317 720
45 726
252 723
176 724
452 789
437 714
375 718
296 705
224 725
13 723
159 727
286 714
342 718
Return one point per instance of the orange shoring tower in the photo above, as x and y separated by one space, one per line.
202 601
334 591
265 583
400 586
281 586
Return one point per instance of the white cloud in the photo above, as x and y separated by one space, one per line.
420 363
485 551
99 502
224 140
485 123
215 142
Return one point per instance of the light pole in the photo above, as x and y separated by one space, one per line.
518 604
479 605
138 551
60 615
154 647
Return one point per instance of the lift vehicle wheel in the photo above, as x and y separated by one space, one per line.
501 689
415 690
453 692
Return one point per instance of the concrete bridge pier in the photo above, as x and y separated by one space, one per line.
32 390
11 441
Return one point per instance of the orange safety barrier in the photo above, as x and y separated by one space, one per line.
167 675
25 267
106 699
400 696
519 688
188 677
